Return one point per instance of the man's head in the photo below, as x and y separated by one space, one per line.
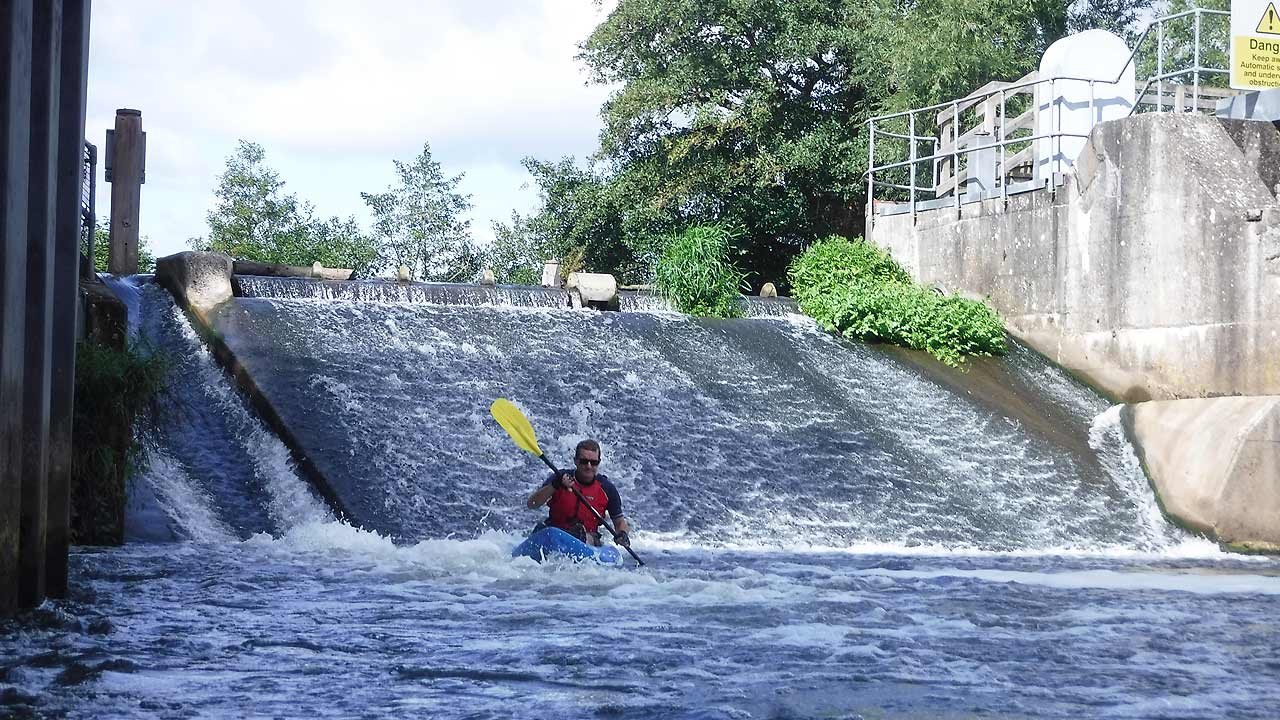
586 458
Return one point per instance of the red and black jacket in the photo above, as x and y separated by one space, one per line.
566 509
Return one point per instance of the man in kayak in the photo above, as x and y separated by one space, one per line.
569 513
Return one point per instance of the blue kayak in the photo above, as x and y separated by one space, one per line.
553 541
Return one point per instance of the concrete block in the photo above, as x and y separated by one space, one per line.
1215 465
1259 105
594 287
551 274
198 280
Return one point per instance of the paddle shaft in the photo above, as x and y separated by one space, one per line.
590 507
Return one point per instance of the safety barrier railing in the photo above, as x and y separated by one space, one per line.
88 197
996 138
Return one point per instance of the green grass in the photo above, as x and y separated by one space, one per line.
859 291
696 275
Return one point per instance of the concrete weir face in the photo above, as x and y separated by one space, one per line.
1153 272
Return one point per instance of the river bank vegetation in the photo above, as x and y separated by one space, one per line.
857 290
116 392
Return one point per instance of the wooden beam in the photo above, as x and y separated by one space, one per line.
15 128
66 290
46 40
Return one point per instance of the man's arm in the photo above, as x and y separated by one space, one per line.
615 507
544 493
541 496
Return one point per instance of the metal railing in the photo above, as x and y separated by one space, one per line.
88 197
963 137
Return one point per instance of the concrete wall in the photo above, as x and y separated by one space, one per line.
1154 274
1150 273
1215 464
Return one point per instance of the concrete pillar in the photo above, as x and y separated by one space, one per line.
46 40
73 89
15 117
126 161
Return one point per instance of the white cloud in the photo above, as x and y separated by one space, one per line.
335 90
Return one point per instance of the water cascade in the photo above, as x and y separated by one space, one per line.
831 530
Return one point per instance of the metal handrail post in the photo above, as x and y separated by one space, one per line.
955 153
871 173
911 154
1004 181
1195 90
1093 113
1055 112
1159 66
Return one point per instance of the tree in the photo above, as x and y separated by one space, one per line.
418 222
1179 44
750 113
517 252
1117 16
102 250
582 214
255 220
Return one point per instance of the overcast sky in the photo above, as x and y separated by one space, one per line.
335 90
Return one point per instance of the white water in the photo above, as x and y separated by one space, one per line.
267 606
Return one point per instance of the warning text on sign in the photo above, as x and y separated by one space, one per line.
1255 62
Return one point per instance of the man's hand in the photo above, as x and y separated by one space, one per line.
564 480
622 539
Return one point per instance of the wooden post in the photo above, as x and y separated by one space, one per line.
15 124
73 88
126 163
46 38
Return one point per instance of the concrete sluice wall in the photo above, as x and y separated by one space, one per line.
1154 274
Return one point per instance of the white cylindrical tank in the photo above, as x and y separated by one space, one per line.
1064 105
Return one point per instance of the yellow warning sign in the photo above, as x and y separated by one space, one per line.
1255 63
1255 44
1270 22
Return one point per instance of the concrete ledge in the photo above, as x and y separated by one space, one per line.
316 270
199 281
1215 465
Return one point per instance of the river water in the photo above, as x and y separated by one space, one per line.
829 532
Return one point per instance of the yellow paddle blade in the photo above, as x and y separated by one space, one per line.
516 425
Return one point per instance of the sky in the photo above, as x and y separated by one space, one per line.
334 91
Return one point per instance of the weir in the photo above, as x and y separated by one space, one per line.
757 431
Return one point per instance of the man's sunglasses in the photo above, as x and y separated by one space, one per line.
587 461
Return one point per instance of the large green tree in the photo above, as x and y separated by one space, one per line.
255 220
751 113
582 215
419 223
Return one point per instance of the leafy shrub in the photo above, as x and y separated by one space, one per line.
114 390
695 274
858 290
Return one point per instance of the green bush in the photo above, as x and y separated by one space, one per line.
695 274
858 290
114 391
